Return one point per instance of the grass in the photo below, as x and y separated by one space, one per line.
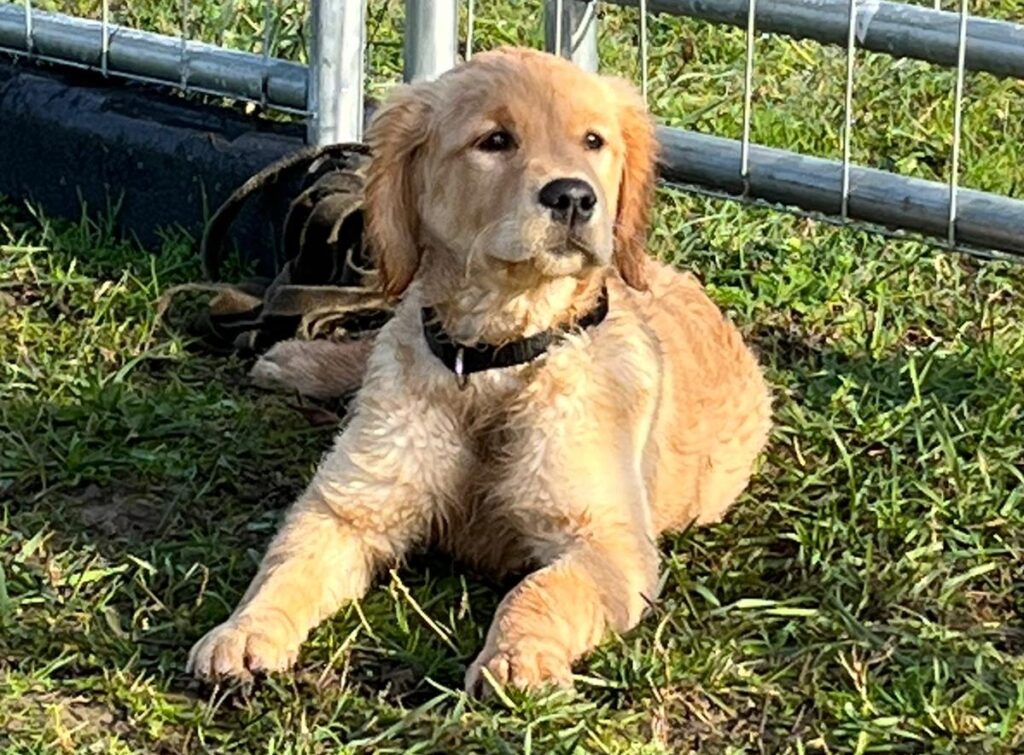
865 595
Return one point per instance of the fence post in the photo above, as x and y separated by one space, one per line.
335 94
570 30
431 38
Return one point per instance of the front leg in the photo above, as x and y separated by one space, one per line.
557 614
572 484
321 558
369 503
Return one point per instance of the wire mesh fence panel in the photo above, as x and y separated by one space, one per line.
249 50
822 176
884 93
168 43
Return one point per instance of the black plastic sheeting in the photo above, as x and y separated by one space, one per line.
74 141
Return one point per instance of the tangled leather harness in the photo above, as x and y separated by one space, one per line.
325 288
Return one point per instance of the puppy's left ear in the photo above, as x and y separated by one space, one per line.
395 136
636 188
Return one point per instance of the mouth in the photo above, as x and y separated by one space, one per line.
559 252
567 255
575 245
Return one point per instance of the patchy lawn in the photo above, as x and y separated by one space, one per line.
866 594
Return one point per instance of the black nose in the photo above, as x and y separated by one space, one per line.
569 199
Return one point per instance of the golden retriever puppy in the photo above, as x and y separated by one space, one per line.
546 400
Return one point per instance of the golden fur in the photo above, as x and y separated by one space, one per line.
568 467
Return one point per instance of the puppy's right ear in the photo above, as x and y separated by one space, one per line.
395 136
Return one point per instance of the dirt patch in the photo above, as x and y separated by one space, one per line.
377 676
995 616
687 720
78 723
70 720
119 513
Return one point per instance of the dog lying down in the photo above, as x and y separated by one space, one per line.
546 400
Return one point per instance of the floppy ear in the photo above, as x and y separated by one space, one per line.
397 132
636 189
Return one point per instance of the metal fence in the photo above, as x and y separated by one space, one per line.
329 92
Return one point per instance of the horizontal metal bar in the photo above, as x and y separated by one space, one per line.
986 221
900 30
154 57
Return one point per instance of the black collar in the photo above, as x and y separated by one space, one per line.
465 360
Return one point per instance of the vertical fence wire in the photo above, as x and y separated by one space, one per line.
470 22
748 95
851 52
105 39
643 49
29 36
958 103
268 22
559 12
183 62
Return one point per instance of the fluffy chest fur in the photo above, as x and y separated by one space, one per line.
496 446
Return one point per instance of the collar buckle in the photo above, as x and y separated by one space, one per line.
461 378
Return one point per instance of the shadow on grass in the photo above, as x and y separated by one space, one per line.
155 499
819 370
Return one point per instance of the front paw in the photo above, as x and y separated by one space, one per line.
526 666
239 647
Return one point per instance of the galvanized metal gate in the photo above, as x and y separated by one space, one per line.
329 93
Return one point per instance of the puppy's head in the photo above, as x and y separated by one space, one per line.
515 167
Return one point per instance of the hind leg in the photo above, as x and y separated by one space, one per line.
318 369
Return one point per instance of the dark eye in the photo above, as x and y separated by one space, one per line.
593 140
497 141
